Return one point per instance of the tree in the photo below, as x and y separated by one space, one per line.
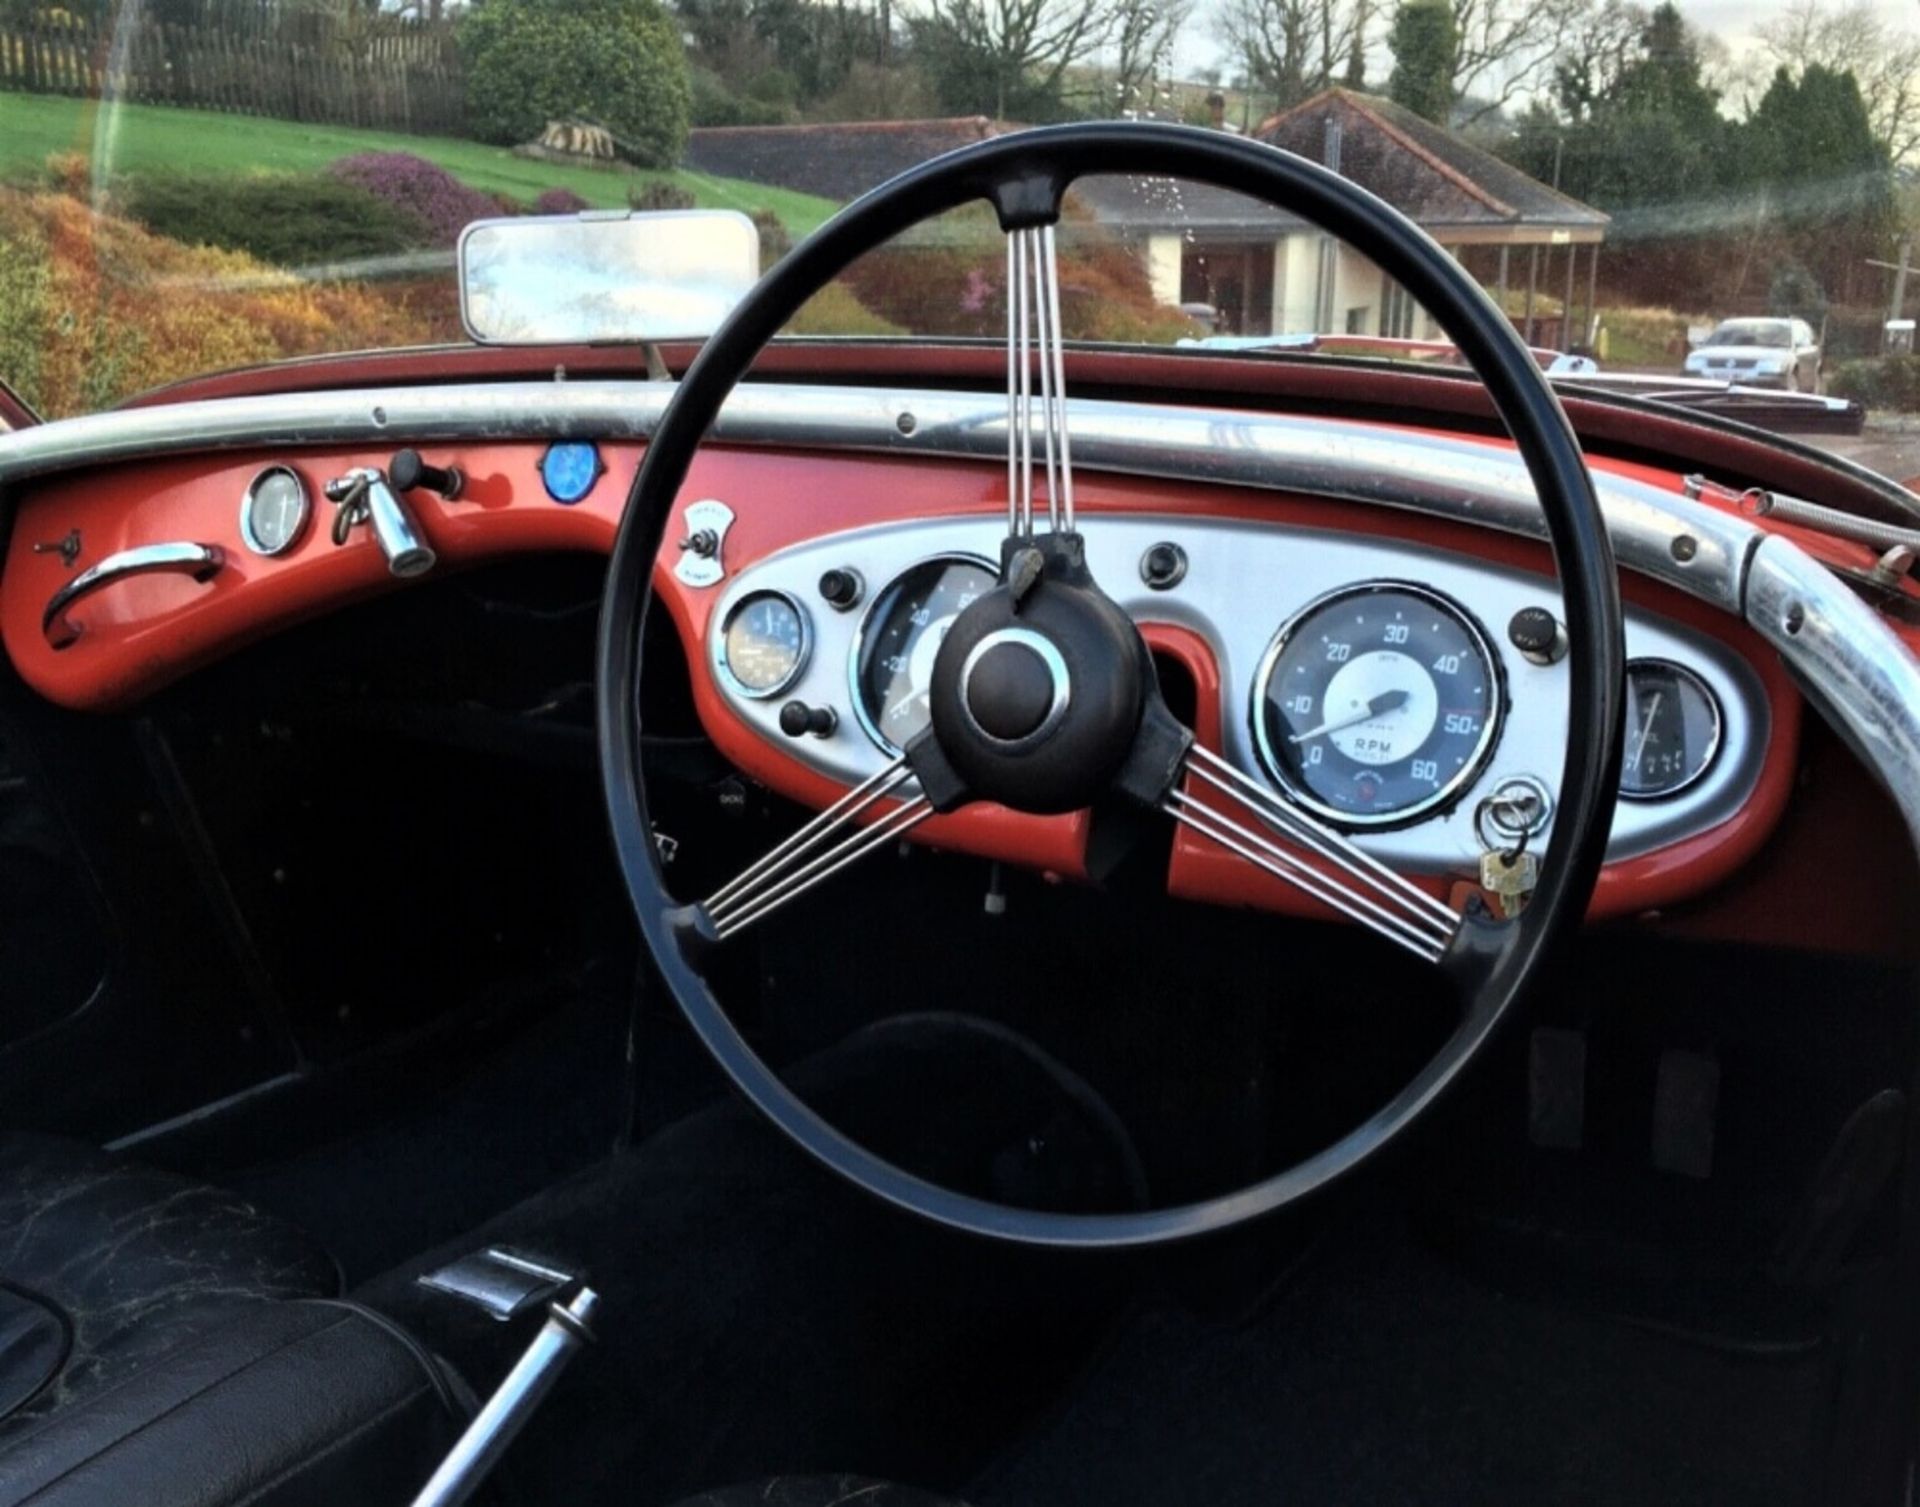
1508 48
618 62
1884 60
1143 32
1007 58
1425 42
1828 180
1290 49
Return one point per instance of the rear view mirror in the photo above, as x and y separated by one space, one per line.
605 277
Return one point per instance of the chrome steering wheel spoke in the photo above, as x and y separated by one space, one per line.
1228 807
849 829
1036 369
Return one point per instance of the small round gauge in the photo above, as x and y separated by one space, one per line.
764 643
1377 704
1673 730
274 511
894 650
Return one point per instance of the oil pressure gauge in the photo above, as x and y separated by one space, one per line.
763 644
274 511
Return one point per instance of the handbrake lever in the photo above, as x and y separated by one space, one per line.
478 1450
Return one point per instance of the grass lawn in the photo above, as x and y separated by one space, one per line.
142 138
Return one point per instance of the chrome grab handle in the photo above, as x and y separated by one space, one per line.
201 561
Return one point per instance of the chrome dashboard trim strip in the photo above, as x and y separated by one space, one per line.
1655 532
1850 664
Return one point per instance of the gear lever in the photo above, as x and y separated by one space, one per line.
497 1424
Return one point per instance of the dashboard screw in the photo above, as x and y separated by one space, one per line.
1685 547
906 423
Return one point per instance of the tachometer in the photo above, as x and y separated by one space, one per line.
893 652
1377 704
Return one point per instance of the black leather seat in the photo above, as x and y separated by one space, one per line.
165 1342
819 1491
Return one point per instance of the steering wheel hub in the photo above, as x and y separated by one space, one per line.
1038 688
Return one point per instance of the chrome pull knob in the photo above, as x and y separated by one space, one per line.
363 496
200 561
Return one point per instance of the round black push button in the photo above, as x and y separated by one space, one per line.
1537 634
1010 691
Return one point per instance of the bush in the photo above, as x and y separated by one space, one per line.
835 311
774 240
658 193
713 103
441 204
617 62
287 220
94 308
1879 382
560 201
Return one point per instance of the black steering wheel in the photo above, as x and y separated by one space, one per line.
1042 695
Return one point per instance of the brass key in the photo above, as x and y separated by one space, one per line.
1510 878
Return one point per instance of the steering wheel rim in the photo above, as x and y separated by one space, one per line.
1025 176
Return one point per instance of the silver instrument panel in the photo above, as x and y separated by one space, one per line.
1242 582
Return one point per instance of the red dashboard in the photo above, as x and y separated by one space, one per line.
137 635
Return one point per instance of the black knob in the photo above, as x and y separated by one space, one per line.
1537 634
702 542
841 588
409 473
797 719
1164 566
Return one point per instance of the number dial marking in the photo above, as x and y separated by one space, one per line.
894 651
1377 704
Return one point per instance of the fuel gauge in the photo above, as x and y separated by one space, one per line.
1673 730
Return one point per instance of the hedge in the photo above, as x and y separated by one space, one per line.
616 62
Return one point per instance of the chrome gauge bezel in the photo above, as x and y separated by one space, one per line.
724 672
1462 780
855 694
250 536
1699 682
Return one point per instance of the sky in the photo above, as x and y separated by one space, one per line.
1733 21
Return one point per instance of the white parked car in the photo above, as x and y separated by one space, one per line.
1759 353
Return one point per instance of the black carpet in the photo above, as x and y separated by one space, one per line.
759 1317
1382 1374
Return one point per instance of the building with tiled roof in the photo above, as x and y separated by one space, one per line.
1261 270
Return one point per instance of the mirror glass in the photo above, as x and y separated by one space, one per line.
598 278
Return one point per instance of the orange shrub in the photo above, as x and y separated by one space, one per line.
94 308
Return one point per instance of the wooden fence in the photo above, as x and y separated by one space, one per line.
398 79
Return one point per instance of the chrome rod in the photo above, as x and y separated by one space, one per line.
1044 322
819 860
1346 896
1013 397
849 805
892 825
1057 412
1310 833
1275 861
1026 394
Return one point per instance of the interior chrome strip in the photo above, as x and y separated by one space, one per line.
1654 531
1854 670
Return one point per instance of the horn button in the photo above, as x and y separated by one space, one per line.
1014 685
1035 700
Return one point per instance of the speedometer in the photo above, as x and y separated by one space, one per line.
894 651
1377 704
